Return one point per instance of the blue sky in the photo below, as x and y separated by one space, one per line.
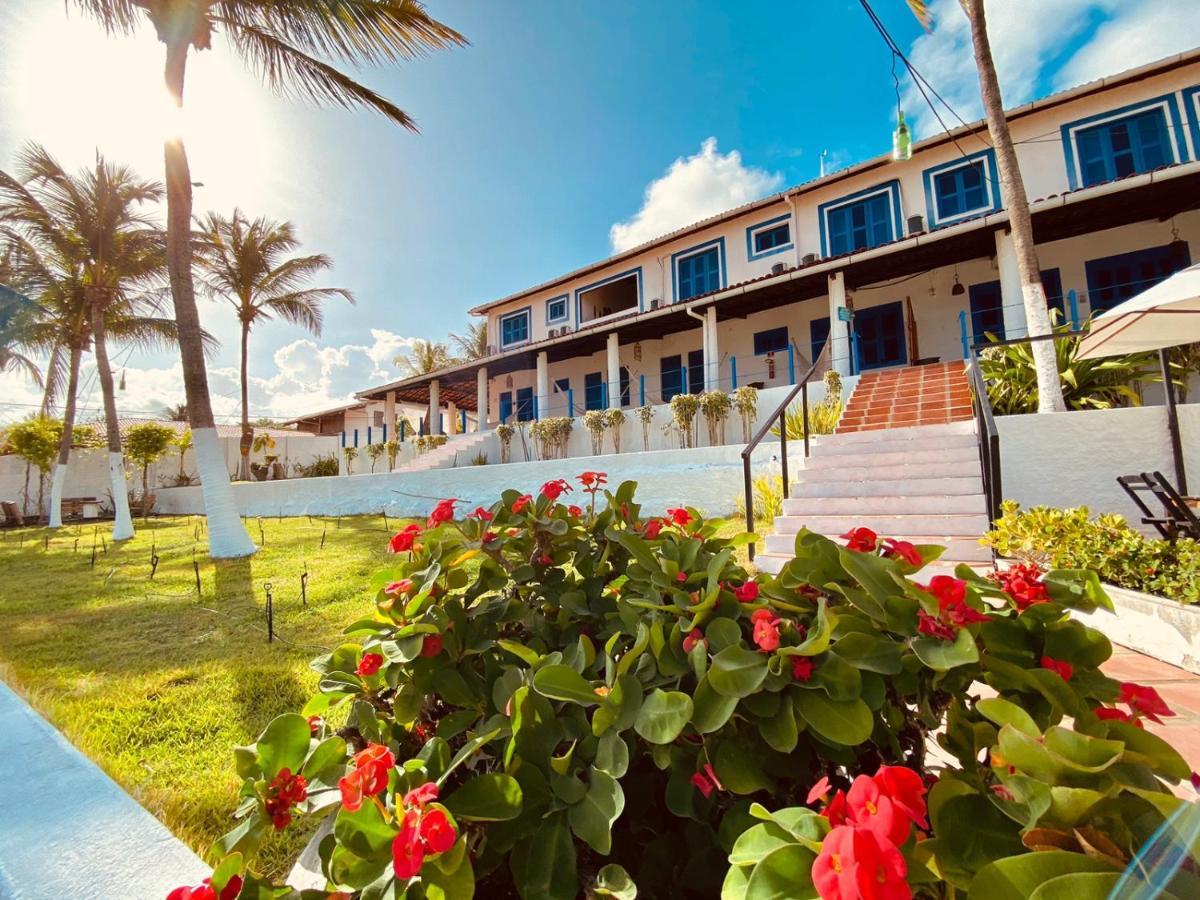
559 122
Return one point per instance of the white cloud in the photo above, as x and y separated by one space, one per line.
692 189
1137 33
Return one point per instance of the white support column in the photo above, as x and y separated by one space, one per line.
614 371
452 418
435 407
712 352
389 415
481 399
839 348
1012 302
543 384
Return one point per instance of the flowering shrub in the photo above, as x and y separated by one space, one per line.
554 698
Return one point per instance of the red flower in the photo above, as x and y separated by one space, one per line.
962 615
1003 793
927 624
419 796
1022 583
652 528
818 791
437 834
404 540
1144 701
1107 713
679 516
803 668
766 630
747 593
703 785
408 851
368 777
545 560
869 807
399 588
575 511
315 724
681 577
206 891
1064 670
953 611
948 589
284 792
692 638
556 488
593 481
369 665
904 550
906 790
861 540
483 515
857 864
521 502
432 645
443 512
488 537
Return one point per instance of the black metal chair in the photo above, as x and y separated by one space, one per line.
1176 518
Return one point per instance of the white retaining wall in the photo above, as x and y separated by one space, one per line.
1074 458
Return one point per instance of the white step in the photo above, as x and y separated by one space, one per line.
852 457
836 444
948 431
899 504
887 488
773 562
958 549
969 524
945 469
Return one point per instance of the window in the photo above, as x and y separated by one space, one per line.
625 396
514 328
556 309
700 271
1123 142
987 306
562 385
861 221
525 404
961 188
670 370
1114 279
818 334
774 340
768 238
593 391
616 295
696 372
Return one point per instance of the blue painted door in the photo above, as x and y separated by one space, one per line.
505 406
987 311
880 333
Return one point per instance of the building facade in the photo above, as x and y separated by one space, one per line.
888 263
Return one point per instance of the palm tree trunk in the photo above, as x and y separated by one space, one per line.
64 444
48 393
1016 202
247 438
122 522
227 535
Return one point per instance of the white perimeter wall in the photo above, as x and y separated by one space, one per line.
1074 458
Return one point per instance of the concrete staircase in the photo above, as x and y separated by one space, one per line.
457 451
933 394
920 483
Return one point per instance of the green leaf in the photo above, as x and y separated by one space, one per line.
710 709
780 730
364 832
614 881
1083 886
466 751
869 652
592 817
527 655
941 656
330 752
819 633
783 874
756 842
739 767
548 869
1077 588
722 633
1142 745
559 682
487 798
736 881
1017 877
283 745
1004 712
450 876
973 833
612 755
847 722
737 671
663 716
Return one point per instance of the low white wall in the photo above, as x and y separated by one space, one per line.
1073 458
708 478
1160 628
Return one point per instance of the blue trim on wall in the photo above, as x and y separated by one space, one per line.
1174 126
892 188
566 316
722 275
991 174
1191 108
761 226
603 281
528 313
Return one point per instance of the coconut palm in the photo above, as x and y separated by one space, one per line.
176 413
17 315
248 263
425 357
473 344
96 259
287 42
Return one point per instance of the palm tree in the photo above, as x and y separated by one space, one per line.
176 413
18 313
425 357
473 344
247 263
284 41
96 258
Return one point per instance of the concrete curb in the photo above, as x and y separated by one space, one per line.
1166 630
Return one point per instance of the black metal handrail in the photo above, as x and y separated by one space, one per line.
779 416
989 437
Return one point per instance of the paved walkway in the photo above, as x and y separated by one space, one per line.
1178 687
68 830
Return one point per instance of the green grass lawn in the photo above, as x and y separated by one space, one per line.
158 685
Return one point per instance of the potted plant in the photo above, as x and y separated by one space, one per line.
351 454
745 401
375 452
393 451
614 419
504 433
595 421
645 415
683 413
145 444
716 406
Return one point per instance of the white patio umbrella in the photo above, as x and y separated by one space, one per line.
1165 315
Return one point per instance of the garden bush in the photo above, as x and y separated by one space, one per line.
1120 555
608 704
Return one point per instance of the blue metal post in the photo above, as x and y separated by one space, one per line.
962 330
604 395
571 402
355 437
421 427
536 415
641 390
462 418
791 365
368 435
403 429
733 371
853 350
384 438
1073 300
343 438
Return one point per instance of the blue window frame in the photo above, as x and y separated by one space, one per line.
698 270
556 309
863 220
962 188
696 372
505 406
987 305
818 334
768 238
562 385
1124 141
1191 106
1114 279
514 328
593 391
773 340
670 370
525 404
